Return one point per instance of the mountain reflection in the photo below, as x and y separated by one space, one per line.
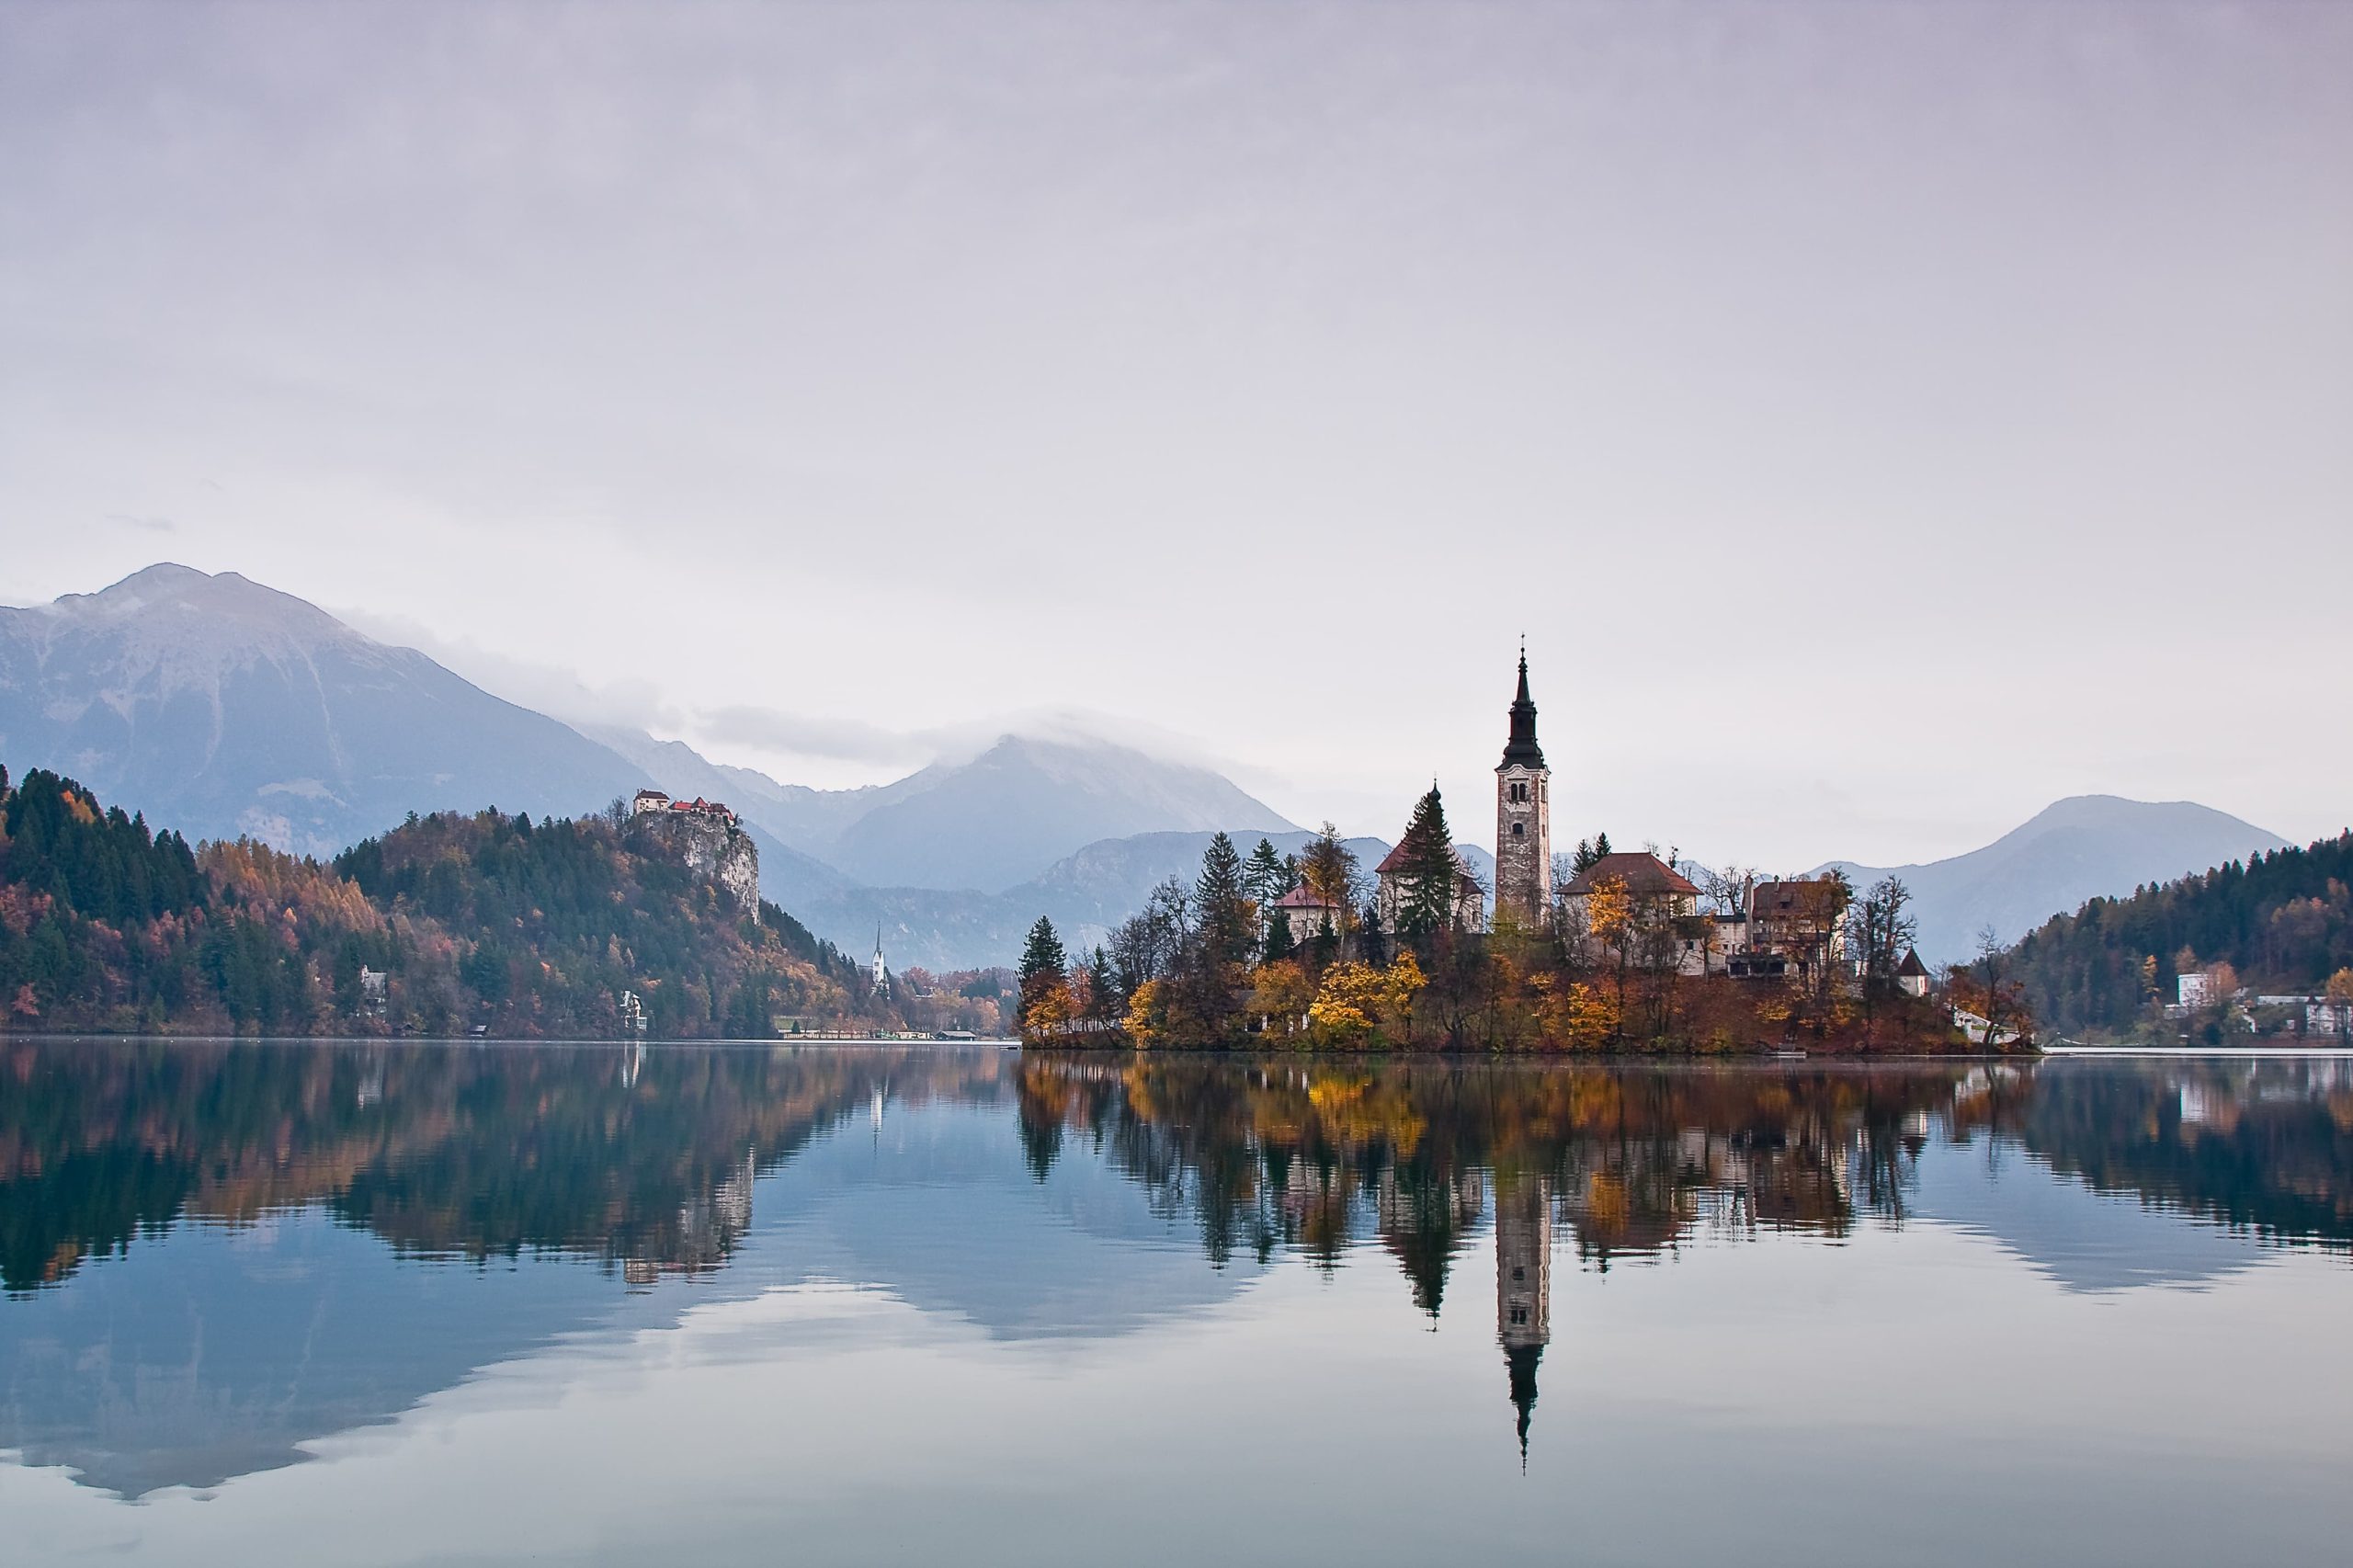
217 1252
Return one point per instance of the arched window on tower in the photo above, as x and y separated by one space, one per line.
1518 829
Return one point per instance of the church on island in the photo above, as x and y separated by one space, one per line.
1764 931
1523 846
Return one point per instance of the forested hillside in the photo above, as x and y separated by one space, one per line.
523 928
2283 920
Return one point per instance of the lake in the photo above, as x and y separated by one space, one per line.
389 1304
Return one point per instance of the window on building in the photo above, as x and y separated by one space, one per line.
1518 829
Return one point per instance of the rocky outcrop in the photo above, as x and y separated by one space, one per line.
709 843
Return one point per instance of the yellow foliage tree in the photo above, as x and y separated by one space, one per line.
1147 1016
1400 984
1054 1008
1346 1004
1356 1002
1609 913
1280 998
1590 1018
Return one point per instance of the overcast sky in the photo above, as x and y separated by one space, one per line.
1882 420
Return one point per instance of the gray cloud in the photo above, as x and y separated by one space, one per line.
807 735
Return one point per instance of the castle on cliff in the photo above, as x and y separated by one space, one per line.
705 837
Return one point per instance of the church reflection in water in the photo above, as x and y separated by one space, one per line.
141 1350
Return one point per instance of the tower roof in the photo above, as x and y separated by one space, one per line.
1521 750
1643 873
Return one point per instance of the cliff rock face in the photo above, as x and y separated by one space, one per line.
708 844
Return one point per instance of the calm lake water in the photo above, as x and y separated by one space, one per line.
396 1303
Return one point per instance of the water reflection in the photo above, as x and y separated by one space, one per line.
215 1254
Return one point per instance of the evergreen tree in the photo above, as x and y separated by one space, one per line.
1426 873
1104 1002
1589 851
1281 944
1042 962
1267 876
1222 908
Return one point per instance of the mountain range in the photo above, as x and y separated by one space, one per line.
221 707
2081 847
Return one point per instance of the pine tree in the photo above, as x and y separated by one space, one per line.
1426 871
1590 852
1220 904
1281 944
1104 1002
1267 876
1042 962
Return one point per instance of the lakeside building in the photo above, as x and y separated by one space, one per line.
1793 928
1912 975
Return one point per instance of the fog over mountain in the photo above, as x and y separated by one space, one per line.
222 708
2086 846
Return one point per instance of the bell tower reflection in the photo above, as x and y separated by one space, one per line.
1523 1284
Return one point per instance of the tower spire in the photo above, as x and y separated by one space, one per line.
1522 749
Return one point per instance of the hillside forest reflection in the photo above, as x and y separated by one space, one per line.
140 1349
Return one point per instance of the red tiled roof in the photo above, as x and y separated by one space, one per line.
1641 873
1300 898
1394 861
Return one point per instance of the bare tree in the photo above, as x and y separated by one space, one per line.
1881 928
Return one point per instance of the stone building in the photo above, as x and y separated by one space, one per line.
1666 904
1307 913
1524 818
1794 927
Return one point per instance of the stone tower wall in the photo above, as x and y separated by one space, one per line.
1524 860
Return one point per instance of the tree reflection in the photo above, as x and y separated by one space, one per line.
645 1161
642 1161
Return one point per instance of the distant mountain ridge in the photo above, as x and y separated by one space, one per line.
223 708
227 709
2083 848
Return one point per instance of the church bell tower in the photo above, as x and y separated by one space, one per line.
1524 818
